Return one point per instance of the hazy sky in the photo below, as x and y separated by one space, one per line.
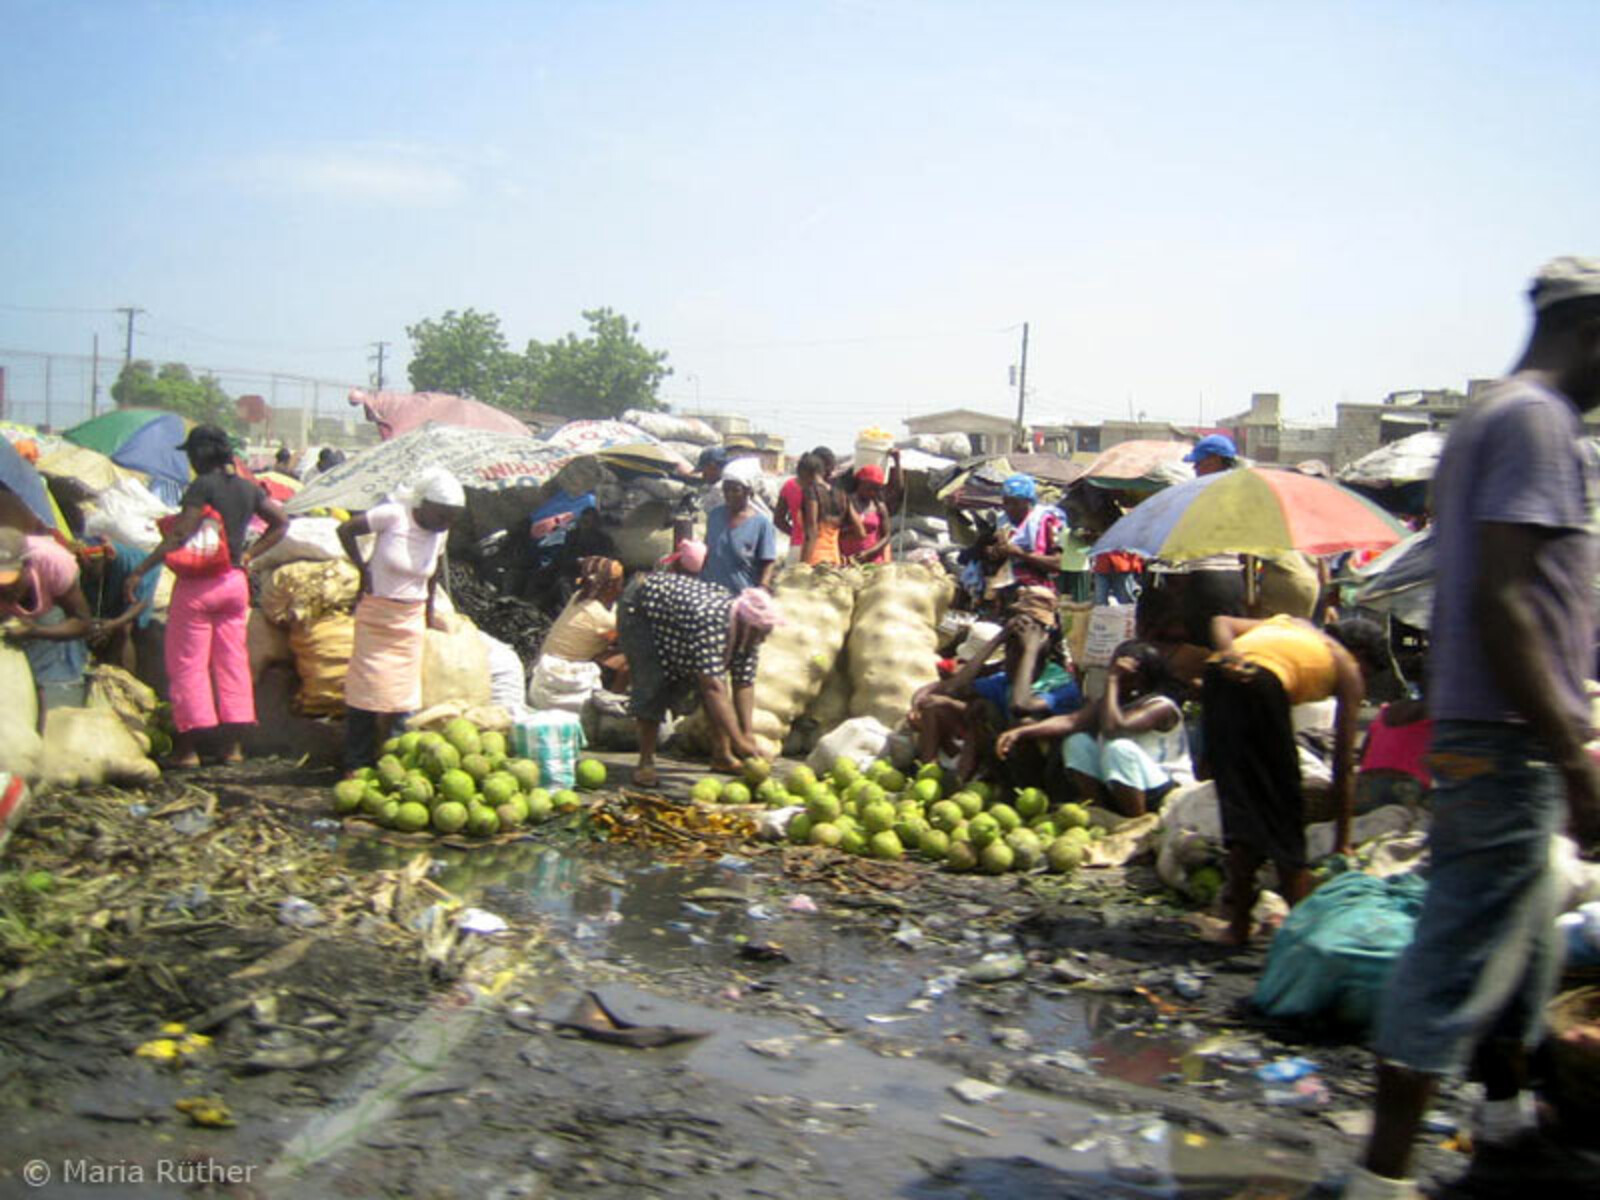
829 213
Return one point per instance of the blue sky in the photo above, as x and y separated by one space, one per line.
830 213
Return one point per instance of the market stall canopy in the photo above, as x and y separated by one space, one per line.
279 486
1409 460
141 439
1141 465
1251 510
480 459
976 482
395 413
621 445
89 469
27 486
1400 580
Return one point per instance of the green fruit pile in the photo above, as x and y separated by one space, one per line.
876 811
458 780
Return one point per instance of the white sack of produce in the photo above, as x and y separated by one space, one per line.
126 512
562 683
113 689
817 604
862 739
507 682
85 747
266 643
19 715
893 646
321 658
455 665
832 704
673 429
303 592
309 539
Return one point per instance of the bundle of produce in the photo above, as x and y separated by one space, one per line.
893 645
796 658
455 664
134 703
321 658
305 592
459 779
881 812
85 747
670 428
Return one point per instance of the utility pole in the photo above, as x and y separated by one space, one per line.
1022 390
379 347
94 380
129 311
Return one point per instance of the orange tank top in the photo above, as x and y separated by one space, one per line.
1297 653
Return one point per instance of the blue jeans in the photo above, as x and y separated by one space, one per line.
1485 957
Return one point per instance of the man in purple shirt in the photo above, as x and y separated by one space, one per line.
1512 643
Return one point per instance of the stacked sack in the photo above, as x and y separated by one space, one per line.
893 644
311 602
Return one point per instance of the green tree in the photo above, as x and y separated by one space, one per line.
176 389
465 354
600 375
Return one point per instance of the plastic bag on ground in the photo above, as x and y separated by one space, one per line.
1335 951
86 747
321 658
863 739
20 746
562 683
126 512
455 665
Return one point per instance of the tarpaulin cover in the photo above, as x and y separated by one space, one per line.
1142 465
19 477
1409 460
141 439
395 413
479 459
620 445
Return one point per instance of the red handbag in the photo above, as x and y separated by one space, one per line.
205 552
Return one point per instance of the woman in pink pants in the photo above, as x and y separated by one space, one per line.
208 666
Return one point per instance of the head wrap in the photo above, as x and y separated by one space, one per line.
440 486
757 609
1567 278
1038 603
743 471
691 555
871 473
1020 487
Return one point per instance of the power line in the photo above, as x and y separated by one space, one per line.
39 308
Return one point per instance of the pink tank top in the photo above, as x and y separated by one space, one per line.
1401 748
872 527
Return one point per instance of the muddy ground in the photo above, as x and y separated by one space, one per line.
364 1045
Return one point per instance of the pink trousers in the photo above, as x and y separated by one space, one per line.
208 664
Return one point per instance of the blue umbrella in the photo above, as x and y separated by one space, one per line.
19 476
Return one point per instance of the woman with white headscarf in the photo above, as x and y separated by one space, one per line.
398 584
741 543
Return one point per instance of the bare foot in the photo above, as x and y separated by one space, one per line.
182 762
727 766
646 777
233 757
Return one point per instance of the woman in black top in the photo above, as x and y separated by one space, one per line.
208 666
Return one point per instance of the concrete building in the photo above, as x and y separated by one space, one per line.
987 434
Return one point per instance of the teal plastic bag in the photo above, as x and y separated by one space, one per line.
1334 954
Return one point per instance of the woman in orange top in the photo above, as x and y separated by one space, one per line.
1261 669
823 515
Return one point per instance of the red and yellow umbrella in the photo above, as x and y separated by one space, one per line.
1252 510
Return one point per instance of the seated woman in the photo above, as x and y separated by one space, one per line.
1127 749
961 714
1393 757
586 630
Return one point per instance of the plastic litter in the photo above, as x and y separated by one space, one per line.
138 810
193 900
1187 984
1285 1070
1309 1092
478 920
975 1091
191 821
299 913
802 904
758 912
908 935
1067 1060
995 968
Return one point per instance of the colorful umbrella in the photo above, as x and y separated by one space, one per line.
141 439
395 413
23 482
1251 510
480 460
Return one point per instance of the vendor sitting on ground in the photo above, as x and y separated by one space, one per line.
1127 749
1393 757
960 715
45 615
586 630
683 639
1260 670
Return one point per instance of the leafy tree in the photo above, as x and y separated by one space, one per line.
600 375
465 354
176 389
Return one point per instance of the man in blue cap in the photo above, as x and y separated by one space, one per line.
1212 453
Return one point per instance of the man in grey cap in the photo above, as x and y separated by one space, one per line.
1512 643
